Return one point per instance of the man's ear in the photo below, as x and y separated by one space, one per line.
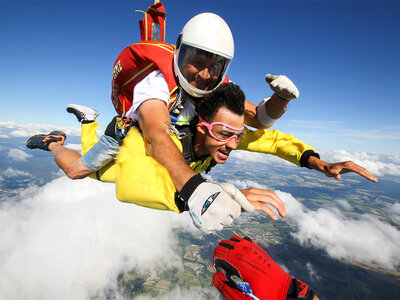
201 128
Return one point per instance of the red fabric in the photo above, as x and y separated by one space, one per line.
133 64
265 277
226 79
302 289
155 14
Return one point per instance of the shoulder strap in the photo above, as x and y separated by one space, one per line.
185 135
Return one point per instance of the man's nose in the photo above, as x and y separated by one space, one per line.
204 74
232 143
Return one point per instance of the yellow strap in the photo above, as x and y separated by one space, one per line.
168 47
137 74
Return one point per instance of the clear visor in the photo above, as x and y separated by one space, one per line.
201 69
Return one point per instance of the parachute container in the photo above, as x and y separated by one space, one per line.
152 27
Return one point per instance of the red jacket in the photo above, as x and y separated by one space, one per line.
133 64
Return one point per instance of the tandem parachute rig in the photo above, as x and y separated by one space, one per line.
152 28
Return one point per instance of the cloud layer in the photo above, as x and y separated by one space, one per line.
377 164
74 238
349 239
14 129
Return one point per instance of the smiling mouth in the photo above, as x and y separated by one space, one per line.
224 154
201 85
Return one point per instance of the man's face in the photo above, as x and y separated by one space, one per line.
202 70
220 150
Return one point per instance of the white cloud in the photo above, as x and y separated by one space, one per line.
358 239
394 212
74 238
395 158
28 129
346 205
10 172
312 272
244 184
18 155
3 136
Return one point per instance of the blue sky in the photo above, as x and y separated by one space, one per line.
342 55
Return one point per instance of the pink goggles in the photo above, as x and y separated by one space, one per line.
222 132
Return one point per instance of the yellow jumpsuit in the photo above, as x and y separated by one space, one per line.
141 180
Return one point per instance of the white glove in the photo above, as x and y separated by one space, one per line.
282 86
213 206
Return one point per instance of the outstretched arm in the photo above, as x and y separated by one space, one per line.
274 108
336 169
259 198
269 110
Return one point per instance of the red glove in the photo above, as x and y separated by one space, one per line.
245 259
224 287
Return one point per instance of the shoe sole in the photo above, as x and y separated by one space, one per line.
57 136
72 108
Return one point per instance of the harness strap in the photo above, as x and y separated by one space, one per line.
185 135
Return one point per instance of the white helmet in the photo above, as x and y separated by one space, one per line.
208 39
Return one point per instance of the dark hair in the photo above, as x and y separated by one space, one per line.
227 95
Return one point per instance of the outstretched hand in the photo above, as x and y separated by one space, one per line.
282 86
336 170
259 198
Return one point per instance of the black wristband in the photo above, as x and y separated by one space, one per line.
189 187
182 198
305 156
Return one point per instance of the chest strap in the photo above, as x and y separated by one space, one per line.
185 135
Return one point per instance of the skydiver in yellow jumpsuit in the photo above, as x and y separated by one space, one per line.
140 179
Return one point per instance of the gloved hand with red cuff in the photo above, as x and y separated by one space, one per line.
244 259
212 206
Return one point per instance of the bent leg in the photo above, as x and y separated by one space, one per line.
69 161
97 153
76 166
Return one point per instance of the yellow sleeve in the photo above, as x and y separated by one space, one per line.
274 142
89 136
140 178
88 139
